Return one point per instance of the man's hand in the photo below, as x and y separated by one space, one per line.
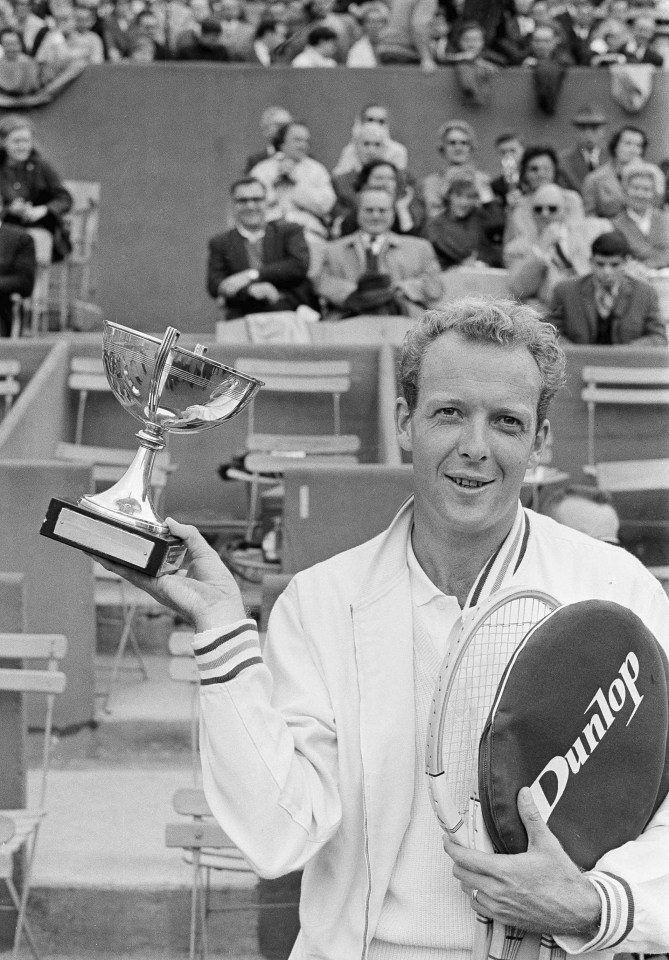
205 594
541 890
264 290
236 282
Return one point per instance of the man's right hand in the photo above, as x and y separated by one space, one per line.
236 282
205 594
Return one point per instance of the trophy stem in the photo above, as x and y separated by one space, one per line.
131 496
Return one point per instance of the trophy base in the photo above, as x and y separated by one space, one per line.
76 525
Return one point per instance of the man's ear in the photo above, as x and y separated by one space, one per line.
540 440
403 424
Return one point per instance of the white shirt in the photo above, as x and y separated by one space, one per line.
642 220
438 611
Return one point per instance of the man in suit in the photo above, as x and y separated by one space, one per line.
258 266
588 152
17 270
376 271
607 306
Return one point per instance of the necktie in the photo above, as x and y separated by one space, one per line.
371 258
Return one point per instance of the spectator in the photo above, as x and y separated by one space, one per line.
200 11
32 192
406 38
557 251
320 49
374 19
610 45
603 194
31 28
409 207
456 144
461 233
321 13
474 66
469 42
370 141
84 42
298 187
269 36
584 508
577 22
588 152
18 72
645 228
376 271
271 121
640 48
607 306
258 266
147 38
236 32
440 31
396 153
17 269
547 46
117 27
514 32
205 44
539 166
506 187
173 17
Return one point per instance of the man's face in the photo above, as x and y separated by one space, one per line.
543 42
630 146
457 147
472 434
371 144
296 143
640 193
547 206
607 270
510 151
374 21
376 212
590 135
249 206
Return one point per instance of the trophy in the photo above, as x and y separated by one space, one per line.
169 390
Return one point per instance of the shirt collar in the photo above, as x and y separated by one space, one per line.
422 588
642 220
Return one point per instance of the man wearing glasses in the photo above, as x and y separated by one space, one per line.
608 306
258 266
557 251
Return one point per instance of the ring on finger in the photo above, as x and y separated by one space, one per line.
475 895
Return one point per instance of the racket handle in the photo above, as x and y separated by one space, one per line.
482 933
549 949
479 839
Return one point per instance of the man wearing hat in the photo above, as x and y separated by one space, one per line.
607 306
375 271
588 152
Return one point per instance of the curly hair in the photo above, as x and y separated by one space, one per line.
486 320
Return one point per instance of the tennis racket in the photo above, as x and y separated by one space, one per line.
479 649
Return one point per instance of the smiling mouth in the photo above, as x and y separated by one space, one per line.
468 484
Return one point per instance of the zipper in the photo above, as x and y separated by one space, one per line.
368 865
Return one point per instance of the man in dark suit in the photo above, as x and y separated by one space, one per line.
576 22
17 270
608 306
588 153
258 266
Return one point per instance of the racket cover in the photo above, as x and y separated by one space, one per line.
581 717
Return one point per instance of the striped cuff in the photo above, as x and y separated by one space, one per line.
617 910
222 654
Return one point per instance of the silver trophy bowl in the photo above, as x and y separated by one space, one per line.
169 390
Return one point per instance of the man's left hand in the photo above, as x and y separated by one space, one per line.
542 890
263 290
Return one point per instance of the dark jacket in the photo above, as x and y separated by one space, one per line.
456 240
37 181
635 317
17 270
286 262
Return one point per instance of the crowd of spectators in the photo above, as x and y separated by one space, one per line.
585 226
475 36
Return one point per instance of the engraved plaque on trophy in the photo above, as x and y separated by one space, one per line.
169 390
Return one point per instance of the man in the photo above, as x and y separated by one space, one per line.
576 22
320 49
376 271
204 44
556 251
258 266
506 187
607 306
640 48
588 152
313 750
17 270
268 37
396 153
271 121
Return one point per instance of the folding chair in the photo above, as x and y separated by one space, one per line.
9 383
266 454
25 823
621 386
